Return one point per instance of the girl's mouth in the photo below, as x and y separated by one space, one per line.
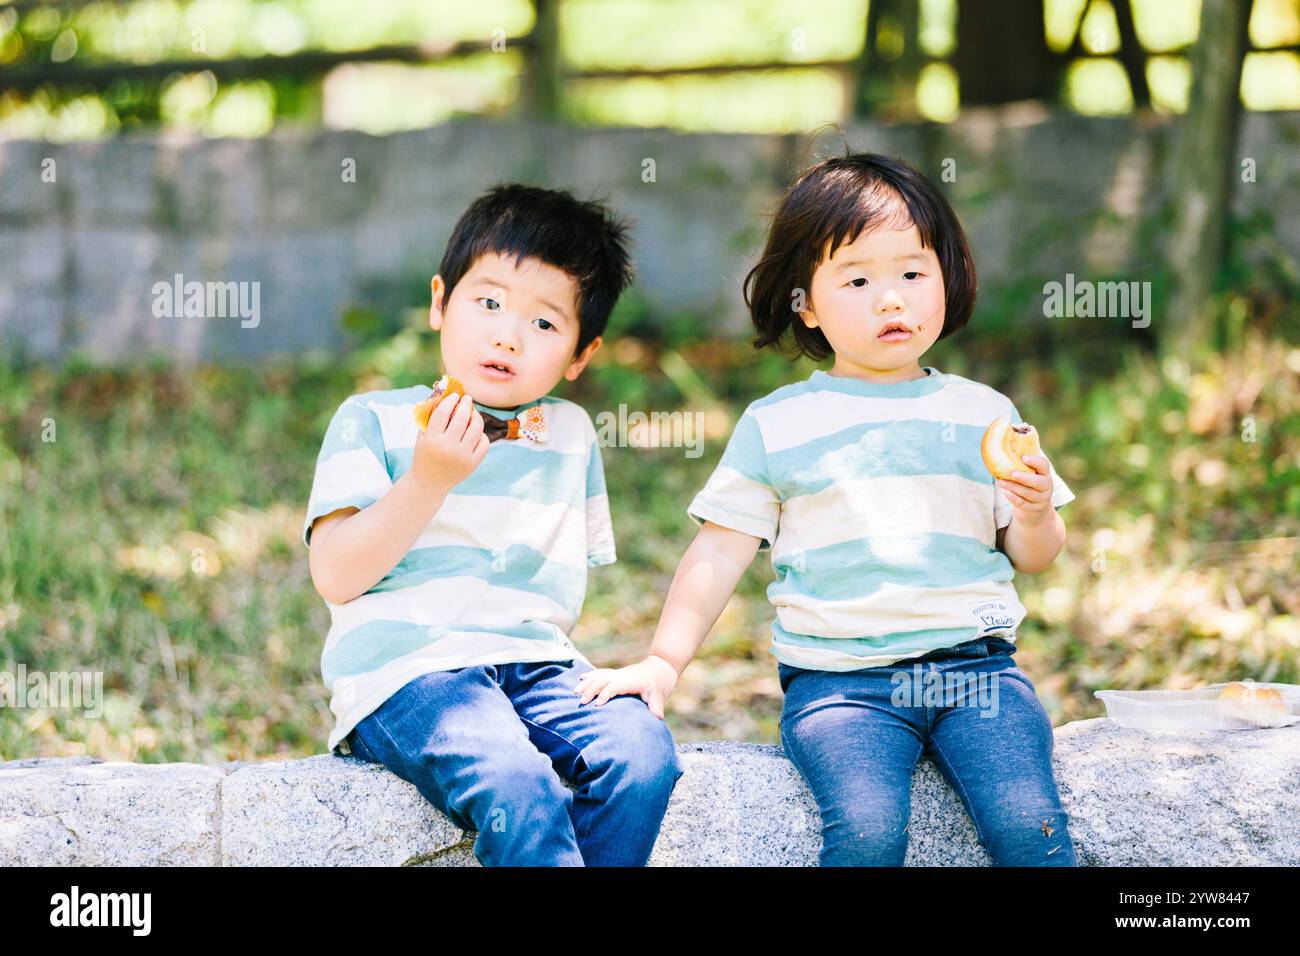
499 373
895 335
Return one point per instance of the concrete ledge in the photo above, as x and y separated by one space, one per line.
1134 798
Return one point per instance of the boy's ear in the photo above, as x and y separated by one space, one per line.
437 287
578 364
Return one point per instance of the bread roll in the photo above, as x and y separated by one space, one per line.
1251 703
442 388
1004 446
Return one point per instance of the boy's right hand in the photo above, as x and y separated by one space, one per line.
453 444
653 679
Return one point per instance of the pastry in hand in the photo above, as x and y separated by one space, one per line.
1251 703
442 388
1004 446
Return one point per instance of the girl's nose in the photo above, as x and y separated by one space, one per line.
889 301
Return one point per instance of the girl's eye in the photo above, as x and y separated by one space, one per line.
858 283
492 305
911 275
546 325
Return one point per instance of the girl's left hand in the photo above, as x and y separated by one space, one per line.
653 679
1030 493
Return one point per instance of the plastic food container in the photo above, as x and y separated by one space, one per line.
1174 710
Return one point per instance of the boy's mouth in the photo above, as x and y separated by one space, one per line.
498 371
895 332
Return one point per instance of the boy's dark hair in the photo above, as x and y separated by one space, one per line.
833 202
583 239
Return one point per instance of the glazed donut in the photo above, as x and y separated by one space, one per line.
1251 703
1005 444
442 388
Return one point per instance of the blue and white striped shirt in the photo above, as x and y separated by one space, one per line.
879 513
500 573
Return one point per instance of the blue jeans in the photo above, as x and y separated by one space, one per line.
484 744
857 736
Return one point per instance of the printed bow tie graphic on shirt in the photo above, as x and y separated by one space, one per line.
532 426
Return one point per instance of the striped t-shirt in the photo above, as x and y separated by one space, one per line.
499 574
879 513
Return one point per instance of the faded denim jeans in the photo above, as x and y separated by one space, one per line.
857 736
486 745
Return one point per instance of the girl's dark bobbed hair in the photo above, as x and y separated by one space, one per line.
830 204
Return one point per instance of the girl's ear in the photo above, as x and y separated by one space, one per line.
436 287
801 302
809 317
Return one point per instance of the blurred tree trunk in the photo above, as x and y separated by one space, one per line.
1204 170
890 62
1131 55
542 72
1002 52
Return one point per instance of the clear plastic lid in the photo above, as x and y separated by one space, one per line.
1200 709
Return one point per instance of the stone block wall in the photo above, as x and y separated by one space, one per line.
1134 798
1040 195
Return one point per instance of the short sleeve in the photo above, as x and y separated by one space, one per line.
1061 493
351 470
738 495
600 530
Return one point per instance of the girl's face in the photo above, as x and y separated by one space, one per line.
883 279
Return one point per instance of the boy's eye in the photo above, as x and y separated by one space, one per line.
492 305
546 325
858 283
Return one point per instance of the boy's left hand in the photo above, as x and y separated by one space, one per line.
1030 493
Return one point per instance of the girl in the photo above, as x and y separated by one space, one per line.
893 545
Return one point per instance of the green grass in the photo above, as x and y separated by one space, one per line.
156 538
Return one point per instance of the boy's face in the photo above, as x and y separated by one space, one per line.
510 329
883 277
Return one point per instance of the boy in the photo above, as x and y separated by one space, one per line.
454 560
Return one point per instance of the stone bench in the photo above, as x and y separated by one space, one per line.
1134 798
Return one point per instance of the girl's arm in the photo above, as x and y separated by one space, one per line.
1033 548
704 582
1037 532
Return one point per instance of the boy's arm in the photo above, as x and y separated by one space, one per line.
352 550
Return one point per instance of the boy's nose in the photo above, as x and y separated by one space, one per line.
503 336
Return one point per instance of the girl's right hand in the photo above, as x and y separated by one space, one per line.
453 444
653 679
